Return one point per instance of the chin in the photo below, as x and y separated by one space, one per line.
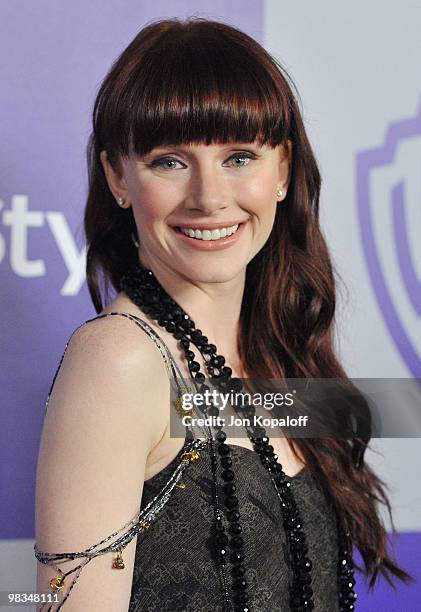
220 273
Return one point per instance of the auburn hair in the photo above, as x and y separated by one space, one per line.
203 81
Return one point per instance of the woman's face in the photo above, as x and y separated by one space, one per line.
205 191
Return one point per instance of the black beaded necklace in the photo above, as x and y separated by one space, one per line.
142 287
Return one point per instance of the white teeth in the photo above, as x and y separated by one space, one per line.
209 234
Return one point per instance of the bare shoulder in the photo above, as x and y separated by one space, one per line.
112 354
112 329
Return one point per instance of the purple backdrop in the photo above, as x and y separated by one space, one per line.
55 55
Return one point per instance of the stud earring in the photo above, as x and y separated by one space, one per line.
279 193
121 201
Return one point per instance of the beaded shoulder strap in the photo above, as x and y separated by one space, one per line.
60 590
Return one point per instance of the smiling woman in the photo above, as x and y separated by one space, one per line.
191 240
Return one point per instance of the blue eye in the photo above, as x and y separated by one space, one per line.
242 156
163 162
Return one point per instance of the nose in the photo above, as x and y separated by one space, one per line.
208 192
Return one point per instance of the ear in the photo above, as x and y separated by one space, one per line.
285 157
116 181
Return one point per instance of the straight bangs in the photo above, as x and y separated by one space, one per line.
193 89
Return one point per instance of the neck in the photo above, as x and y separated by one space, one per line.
213 306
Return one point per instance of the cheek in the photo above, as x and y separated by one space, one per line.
262 205
260 200
151 203
260 189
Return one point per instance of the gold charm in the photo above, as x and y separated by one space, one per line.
118 562
57 583
180 485
188 456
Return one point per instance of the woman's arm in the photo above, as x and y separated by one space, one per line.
108 409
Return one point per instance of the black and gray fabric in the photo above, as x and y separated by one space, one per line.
174 570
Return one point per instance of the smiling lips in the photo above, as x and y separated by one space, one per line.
207 234
214 236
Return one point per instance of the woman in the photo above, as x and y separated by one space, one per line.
203 215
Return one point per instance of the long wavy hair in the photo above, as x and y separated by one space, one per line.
202 81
